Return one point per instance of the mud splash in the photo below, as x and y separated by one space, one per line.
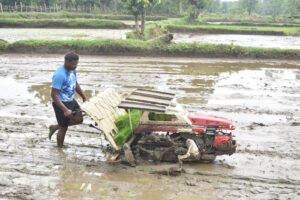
262 97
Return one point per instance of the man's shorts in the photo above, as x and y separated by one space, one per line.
59 113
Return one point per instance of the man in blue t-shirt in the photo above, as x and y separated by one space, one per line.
66 108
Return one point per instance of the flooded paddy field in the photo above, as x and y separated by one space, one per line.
265 41
255 23
15 34
262 97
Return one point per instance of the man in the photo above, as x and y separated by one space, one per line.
66 108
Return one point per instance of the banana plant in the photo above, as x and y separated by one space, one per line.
137 9
196 7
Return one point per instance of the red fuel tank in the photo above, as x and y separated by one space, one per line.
206 120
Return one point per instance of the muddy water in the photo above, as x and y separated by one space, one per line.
15 34
128 22
261 97
265 41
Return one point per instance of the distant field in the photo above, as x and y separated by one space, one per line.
256 25
248 19
180 25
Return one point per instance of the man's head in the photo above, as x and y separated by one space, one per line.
71 61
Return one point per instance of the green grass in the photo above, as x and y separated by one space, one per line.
3 45
85 46
59 15
61 23
221 50
123 124
181 25
161 117
152 31
154 47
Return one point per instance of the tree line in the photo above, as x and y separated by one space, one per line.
260 7
190 8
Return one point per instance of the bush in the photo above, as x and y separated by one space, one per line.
3 45
62 23
60 15
154 47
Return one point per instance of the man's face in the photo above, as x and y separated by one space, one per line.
71 65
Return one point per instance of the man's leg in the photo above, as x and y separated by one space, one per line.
74 120
61 136
65 122
60 119
52 130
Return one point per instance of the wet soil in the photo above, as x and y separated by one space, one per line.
262 97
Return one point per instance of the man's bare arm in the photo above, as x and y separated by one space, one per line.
58 102
79 91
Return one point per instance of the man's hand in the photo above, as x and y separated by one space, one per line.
79 91
68 113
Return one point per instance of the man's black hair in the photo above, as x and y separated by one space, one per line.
71 56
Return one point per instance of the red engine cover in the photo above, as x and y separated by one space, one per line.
210 120
220 140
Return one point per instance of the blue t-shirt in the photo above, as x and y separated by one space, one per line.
65 82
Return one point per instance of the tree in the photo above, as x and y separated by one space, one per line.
134 8
224 7
275 7
197 6
249 5
138 8
292 7
170 7
213 6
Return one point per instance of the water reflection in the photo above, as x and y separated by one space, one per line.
210 69
42 92
200 80
192 82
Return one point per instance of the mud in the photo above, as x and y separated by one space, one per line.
16 34
262 97
265 41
